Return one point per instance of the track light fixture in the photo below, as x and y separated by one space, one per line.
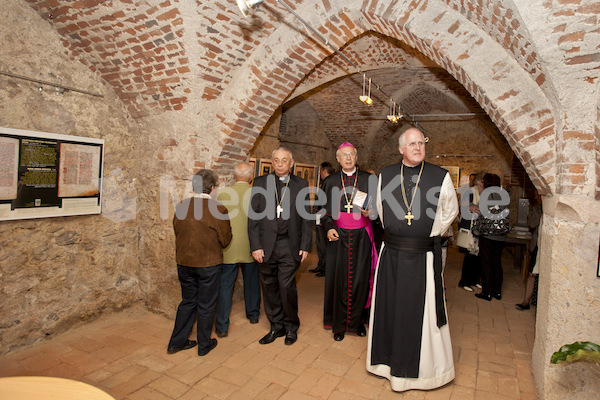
248 6
366 98
392 117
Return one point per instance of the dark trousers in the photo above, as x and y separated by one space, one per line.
321 246
199 291
251 293
471 270
490 252
280 294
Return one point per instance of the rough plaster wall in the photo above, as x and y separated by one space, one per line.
568 299
57 272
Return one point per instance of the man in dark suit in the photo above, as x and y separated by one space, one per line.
200 236
280 233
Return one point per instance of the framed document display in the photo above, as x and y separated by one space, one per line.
265 166
454 174
49 175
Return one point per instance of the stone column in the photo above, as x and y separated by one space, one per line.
568 307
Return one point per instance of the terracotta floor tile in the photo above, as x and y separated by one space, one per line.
232 376
275 375
146 393
292 395
125 353
134 383
169 387
324 386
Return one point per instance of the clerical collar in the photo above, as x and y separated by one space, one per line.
414 166
284 178
350 173
202 195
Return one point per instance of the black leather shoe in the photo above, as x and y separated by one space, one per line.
338 337
497 296
362 332
290 338
522 306
315 270
221 334
253 320
483 296
213 344
188 345
271 336
320 274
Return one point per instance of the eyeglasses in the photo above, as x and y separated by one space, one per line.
415 144
280 161
347 155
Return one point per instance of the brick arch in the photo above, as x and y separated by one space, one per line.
504 90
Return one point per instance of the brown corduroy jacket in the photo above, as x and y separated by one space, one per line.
199 235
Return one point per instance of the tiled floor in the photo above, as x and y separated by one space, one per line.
125 354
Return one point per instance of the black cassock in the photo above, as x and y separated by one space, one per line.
409 338
348 265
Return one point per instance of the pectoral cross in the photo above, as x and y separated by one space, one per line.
279 210
409 217
348 208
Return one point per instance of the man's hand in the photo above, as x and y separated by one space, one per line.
333 235
258 255
364 212
303 254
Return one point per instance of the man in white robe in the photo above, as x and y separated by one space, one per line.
409 339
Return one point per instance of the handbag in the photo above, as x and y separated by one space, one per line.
498 226
465 239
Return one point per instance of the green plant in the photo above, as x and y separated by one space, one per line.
578 351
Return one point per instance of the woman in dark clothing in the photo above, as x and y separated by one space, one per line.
471 267
490 248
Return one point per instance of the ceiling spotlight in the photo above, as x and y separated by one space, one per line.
392 117
366 98
247 6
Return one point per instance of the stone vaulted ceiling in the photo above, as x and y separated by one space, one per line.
142 49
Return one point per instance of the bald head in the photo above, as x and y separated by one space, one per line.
412 147
413 131
243 172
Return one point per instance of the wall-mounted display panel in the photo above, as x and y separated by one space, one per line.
49 175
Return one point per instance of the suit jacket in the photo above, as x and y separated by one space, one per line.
199 242
262 232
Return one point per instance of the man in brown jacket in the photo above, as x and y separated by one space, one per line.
202 230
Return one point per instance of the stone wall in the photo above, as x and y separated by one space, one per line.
567 296
58 272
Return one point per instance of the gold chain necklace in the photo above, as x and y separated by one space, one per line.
348 205
279 207
409 217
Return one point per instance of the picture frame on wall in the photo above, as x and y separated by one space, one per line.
598 270
265 166
454 174
309 173
318 177
252 162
